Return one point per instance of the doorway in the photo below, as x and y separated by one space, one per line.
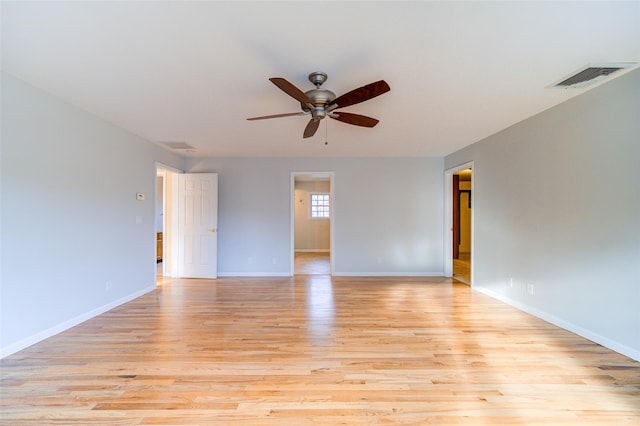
312 223
459 223
461 238
159 222
165 231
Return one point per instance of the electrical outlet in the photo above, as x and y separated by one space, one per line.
108 285
249 260
379 260
274 260
510 282
530 289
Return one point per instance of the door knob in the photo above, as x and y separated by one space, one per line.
213 230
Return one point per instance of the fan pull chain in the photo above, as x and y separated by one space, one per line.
326 132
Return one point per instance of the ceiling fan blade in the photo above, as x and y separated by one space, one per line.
356 119
311 128
292 90
288 114
360 94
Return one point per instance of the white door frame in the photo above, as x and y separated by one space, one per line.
448 219
332 215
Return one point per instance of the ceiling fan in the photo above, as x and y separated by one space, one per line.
321 103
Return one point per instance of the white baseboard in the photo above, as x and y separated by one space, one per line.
335 274
576 329
312 250
254 274
388 274
38 337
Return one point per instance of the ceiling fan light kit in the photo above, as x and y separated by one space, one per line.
321 103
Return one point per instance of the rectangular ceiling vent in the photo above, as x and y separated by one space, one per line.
587 75
591 74
178 145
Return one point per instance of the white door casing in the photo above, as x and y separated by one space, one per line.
198 225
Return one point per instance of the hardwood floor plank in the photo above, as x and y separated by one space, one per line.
318 350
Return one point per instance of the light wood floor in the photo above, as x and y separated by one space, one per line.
462 268
312 263
318 350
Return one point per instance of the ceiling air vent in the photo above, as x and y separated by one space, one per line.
591 74
178 145
587 75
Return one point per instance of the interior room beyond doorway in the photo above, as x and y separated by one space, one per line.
462 225
312 224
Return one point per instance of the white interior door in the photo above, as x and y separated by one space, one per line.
198 225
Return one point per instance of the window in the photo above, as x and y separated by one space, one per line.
319 206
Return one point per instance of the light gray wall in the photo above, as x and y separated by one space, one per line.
388 214
556 202
310 234
69 209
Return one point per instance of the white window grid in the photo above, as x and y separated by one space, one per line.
320 206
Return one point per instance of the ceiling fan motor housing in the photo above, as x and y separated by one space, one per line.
320 97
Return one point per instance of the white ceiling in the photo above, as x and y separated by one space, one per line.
194 71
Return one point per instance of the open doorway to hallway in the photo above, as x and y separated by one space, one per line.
159 222
461 226
312 223
165 255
